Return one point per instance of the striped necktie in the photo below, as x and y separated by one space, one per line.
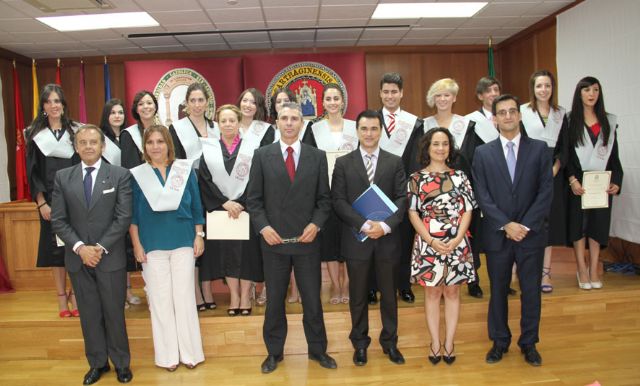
369 167
392 123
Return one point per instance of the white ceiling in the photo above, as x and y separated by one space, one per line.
20 32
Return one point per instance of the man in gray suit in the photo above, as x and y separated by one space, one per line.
91 213
289 201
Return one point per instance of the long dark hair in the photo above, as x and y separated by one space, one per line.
425 143
104 120
41 121
576 116
533 102
261 109
333 86
134 108
273 114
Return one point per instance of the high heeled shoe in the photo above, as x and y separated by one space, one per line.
447 357
64 313
584 286
436 357
75 313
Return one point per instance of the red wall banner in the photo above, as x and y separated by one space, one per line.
169 79
304 74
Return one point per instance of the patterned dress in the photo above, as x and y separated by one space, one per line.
440 200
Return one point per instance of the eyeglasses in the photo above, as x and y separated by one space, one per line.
504 113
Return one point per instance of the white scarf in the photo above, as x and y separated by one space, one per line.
167 197
396 143
51 147
234 184
484 128
457 127
325 141
595 158
535 127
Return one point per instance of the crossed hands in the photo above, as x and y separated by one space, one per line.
273 238
90 254
515 231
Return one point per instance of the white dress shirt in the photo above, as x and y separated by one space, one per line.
374 164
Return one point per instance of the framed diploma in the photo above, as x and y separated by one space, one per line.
331 160
222 227
595 185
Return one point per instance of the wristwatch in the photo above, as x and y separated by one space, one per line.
201 234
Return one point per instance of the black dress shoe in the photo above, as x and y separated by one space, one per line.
124 375
475 290
395 355
94 374
325 360
360 357
373 297
270 363
495 354
407 295
531 355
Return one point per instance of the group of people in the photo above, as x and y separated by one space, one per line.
504 180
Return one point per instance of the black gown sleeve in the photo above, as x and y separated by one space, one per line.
410 155
615 165
212 197
561 151
308 137
130 157
35 170
269 136
177 145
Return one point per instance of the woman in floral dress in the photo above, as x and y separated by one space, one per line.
440 205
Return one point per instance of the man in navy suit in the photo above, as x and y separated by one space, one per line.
513 182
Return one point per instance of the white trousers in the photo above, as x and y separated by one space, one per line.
169 284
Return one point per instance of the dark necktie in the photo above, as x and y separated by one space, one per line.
290 163
88 181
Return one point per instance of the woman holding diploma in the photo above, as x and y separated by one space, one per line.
544 120
166 231
223 176
143 109
49 149
334 133
112 123
592 147
440 205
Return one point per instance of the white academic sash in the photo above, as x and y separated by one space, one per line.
396 143
167 197
135 136
595 158
233 185
457 127
484 127
256 130
186 132
535 128
111 152
51 147
325 141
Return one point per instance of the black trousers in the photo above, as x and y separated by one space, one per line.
307 271
529 270
101 296
384 269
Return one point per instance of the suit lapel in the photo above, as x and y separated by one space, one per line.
501 161
358 162
303 162
277 161
77 186
101 182
523 155
379 167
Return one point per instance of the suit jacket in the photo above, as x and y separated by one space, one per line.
288 207
104 222
349 182
526 200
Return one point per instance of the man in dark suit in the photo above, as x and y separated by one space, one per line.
352 175
288 199
400 136
513 185
91 214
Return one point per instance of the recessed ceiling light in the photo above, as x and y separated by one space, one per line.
426 10
99 21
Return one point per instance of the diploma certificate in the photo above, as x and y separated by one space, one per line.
331 161
595 185
222 227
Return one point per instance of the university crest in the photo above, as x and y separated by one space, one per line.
171 92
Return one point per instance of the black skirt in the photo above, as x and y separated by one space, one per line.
558 214
240 259
49 254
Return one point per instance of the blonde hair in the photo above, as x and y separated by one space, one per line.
171 156
446 84
231 107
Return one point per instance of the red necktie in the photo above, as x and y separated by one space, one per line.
290 163
392 123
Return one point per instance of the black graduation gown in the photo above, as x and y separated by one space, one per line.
592 223
130 155
233 258
41 171
558 215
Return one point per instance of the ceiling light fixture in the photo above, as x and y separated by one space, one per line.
99 21
426 10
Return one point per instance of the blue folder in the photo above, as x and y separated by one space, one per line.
373 205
